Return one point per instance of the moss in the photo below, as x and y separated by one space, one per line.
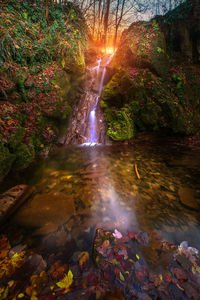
21 89
24 155
143 45
62 82
103 104
16 138
6 160
118 90
120 125
153 103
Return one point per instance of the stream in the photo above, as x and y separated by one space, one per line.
87 185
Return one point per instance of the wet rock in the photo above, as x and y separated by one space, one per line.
187 198
43 208
12 199
38 263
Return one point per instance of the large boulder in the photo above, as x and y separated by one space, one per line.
150 90
181 28
137 100
143 45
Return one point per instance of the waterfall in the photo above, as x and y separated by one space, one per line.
102 80
92 138
92 135
92 127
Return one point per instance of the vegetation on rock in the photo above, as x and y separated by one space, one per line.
156 92
41 68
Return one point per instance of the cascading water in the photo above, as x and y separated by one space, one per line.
102 80
92 136
87 126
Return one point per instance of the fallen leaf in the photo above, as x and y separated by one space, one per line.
83 257
117 234
66 282
136 171
121 276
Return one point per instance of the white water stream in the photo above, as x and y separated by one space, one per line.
92 138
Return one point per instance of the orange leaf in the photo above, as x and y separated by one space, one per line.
136 171
83 257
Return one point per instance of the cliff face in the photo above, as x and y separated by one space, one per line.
155 83
41 70
181 28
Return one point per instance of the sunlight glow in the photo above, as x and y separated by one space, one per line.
109 50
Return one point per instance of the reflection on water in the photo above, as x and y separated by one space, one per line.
79 189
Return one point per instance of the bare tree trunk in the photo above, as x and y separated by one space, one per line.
94 17
99 19
106 21
170 4
102 18
47 10
118 20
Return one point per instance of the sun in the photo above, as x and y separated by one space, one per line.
109 50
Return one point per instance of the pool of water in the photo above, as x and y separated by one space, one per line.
78 189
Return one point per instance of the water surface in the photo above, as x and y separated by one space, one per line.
79 188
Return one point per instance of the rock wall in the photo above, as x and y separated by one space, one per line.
149 89
181 28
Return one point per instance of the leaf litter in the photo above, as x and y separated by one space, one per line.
114 269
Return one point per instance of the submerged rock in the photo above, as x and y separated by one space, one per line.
43 208
187 198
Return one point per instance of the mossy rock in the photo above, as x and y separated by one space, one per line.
6 161
61 82
153 103
24 155
114 93
120 125
143 45
16 138
74 64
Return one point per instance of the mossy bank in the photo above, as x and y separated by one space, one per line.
150 90
42 71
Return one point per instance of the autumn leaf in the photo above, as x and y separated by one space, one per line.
66 282
137 256
83 257
117 234
4 247
136 171
121 276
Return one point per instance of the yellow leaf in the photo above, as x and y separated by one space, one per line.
18 259
66 282
63 63
10 283
121 276
83 257
137 256
21 295
34 298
